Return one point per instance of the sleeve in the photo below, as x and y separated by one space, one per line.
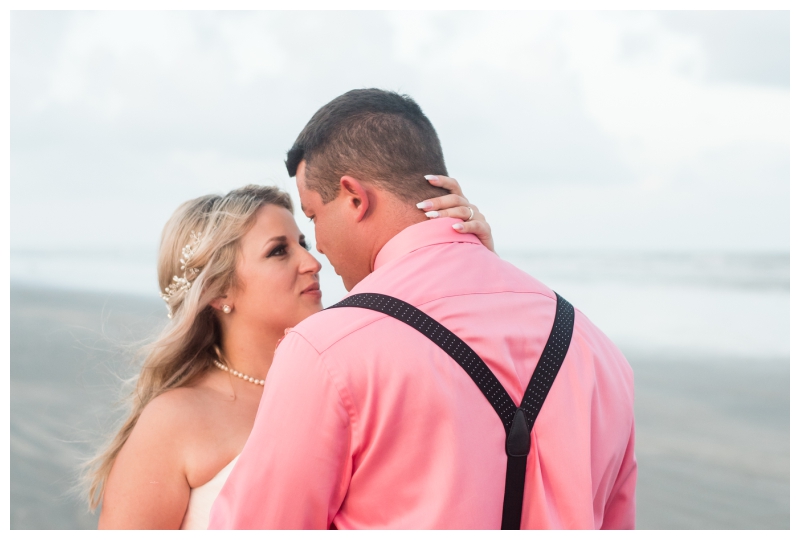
295 468
620 512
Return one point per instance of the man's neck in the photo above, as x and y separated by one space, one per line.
395 217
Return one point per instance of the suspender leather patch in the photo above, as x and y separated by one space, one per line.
518 442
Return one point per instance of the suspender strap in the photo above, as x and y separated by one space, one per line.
518 422
518 443
447 341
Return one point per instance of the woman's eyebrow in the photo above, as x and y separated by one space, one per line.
278 238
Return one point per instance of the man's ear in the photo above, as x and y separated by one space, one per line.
358 197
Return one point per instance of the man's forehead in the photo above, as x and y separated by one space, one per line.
307 206
300 177
300 173
304 201
306 198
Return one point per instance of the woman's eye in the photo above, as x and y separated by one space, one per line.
311 219
277 252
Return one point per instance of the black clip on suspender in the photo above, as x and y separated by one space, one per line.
517 421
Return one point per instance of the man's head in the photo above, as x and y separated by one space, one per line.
360 164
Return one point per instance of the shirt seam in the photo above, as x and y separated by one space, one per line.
350 409
350 412
474 293
446 241
383 316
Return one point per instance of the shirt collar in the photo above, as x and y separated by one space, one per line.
419 235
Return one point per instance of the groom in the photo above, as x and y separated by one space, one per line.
367 423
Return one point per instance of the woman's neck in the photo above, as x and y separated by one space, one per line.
250 351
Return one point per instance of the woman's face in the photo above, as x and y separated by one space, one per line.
278 279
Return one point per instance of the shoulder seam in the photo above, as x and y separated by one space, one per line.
350 412
382 316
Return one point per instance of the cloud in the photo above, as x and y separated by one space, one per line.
576 129
750 47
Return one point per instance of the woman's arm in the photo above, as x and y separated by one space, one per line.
457 206
147 487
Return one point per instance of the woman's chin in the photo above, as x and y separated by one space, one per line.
313 305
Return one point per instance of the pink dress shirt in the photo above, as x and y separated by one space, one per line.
365 423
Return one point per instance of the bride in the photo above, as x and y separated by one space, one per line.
235 272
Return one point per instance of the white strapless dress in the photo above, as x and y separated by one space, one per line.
201 498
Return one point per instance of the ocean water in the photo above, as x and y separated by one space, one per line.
685 305
713 447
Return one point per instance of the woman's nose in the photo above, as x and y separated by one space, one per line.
309 264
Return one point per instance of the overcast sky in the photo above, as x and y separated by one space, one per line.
573 131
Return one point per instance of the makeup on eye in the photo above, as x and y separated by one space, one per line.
281 249
278 250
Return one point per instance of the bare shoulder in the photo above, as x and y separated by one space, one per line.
174 413
195 431
174 403
148 486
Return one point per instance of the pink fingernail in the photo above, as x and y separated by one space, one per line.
458 226
425 205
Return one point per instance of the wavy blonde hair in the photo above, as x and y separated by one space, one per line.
188 345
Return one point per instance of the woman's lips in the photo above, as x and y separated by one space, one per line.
313 290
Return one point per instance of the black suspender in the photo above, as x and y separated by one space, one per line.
517 421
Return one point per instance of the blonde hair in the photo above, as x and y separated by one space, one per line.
187 347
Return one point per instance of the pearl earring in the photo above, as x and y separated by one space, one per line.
226 308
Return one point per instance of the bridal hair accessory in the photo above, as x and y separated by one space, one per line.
253 380
181 284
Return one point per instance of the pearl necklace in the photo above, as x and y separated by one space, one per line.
247 378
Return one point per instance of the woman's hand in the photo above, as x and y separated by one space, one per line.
457 206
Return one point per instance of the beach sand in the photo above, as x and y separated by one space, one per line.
712 436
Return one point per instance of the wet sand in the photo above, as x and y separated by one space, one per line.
712 436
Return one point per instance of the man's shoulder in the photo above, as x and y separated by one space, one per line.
324 329
420 282
595 346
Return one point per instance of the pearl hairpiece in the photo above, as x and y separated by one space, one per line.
181 284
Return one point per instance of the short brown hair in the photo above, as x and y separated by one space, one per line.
374 135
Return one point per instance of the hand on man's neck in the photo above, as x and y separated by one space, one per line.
352 228
383 217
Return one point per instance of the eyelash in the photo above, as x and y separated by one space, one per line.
274 252
283 247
